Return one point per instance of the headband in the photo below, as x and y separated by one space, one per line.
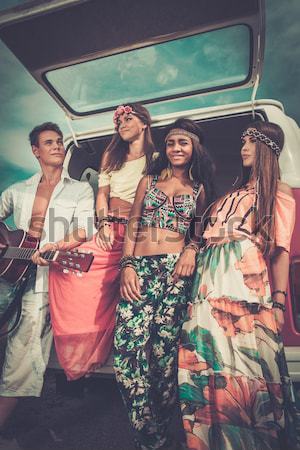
122 109
262 138
193 136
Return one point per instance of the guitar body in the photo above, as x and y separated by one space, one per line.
12 270
17 248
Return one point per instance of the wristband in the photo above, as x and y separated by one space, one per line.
278 305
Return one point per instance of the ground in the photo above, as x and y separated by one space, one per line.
90 417
82 415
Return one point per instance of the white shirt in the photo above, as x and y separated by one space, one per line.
123 182
71 207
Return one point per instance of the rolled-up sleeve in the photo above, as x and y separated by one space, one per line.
6 204
84 212
285 213
104 179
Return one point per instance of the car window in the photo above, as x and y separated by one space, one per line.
194 64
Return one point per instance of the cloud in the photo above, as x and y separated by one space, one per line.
18 151
139 59
24 104
281 71
167 74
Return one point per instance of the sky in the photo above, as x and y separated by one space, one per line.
24 103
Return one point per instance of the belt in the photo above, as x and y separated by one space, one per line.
117 219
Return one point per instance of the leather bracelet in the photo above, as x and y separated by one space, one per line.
192 246
278 291
278 305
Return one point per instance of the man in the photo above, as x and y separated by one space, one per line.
58 210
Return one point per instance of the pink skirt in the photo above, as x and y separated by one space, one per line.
83 308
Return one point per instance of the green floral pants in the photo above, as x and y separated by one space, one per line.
146 346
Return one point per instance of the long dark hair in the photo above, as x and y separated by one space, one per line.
266 173
117 150
202 168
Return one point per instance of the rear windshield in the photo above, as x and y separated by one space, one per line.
194 64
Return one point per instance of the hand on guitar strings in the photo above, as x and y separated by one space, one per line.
37 256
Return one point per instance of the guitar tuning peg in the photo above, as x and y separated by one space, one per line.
65 271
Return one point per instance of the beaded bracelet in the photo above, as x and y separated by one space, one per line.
126 261
127 265
278 305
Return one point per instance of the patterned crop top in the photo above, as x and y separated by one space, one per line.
160 212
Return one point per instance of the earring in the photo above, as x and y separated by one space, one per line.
190 173
166 173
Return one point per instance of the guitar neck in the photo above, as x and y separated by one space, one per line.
25 254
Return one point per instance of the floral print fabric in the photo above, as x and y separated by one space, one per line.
234 388
146 346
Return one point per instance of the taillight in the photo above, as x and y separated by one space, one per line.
295 289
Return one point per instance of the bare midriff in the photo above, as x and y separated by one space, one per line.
157 241
119 207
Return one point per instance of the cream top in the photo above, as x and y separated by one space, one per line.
123 183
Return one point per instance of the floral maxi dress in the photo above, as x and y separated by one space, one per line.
234 388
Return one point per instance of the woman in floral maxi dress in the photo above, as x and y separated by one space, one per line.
234 388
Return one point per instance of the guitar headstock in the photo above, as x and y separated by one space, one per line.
75 260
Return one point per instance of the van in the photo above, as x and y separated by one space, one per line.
91 56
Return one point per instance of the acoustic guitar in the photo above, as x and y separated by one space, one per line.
17 248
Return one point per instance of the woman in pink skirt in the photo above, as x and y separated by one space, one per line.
83 308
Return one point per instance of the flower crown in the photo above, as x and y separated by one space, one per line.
262 138
122 109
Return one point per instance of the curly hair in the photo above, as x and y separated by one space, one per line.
202 167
